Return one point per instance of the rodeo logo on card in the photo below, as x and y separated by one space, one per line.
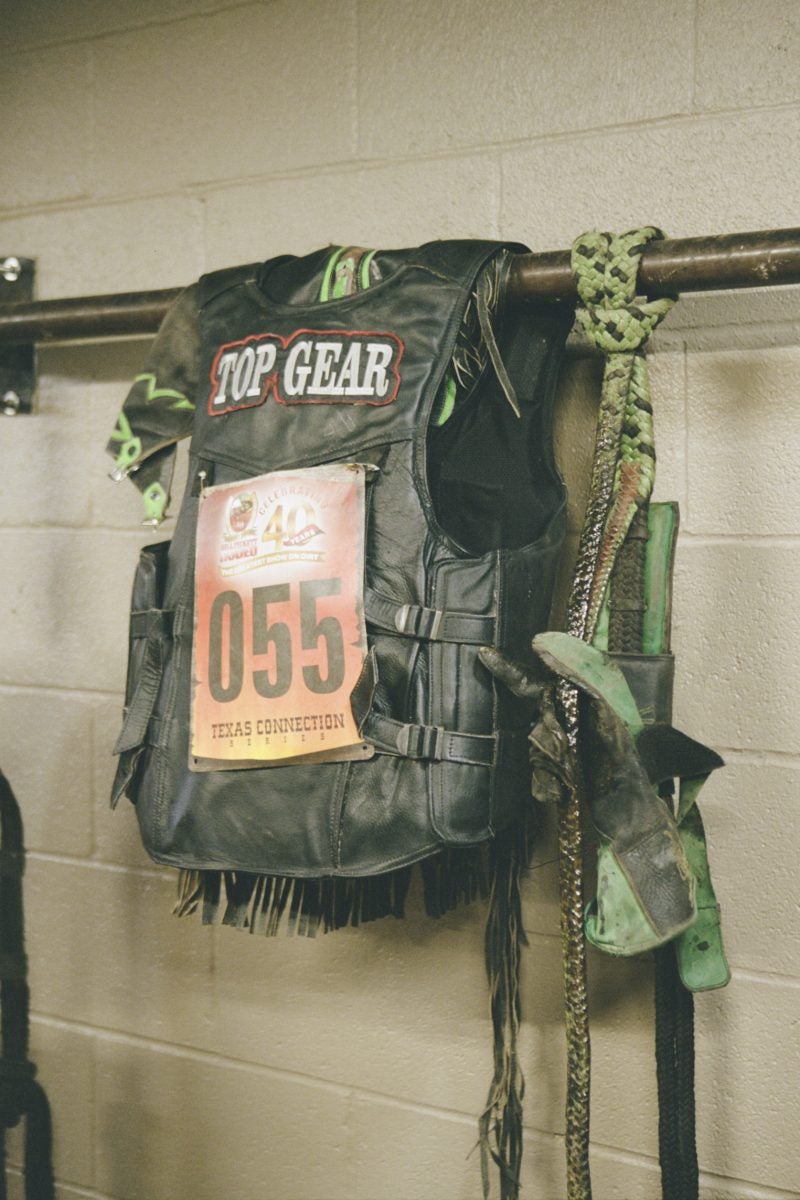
277 528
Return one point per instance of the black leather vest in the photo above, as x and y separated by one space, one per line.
464 527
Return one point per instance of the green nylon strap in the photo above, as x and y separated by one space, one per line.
662 528
347 272
700 952
364 272
325 289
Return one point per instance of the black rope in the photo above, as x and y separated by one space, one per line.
674 1004
684 1088
20 1094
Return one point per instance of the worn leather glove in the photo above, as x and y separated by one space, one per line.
646 886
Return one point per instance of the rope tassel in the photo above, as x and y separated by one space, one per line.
500 1125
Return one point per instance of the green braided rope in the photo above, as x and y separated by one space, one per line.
605 269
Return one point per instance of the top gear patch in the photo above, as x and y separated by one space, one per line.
311 367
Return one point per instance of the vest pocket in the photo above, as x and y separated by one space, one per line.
460 808
150 631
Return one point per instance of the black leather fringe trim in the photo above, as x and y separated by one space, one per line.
500 1125
270 904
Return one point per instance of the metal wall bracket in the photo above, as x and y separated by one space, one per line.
17 363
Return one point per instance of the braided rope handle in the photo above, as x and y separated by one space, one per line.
605 268
619 323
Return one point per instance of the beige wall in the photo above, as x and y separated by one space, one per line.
142 143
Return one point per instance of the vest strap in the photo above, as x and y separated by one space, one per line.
143 701
150 621
429 741
429 624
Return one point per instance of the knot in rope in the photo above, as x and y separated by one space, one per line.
605 267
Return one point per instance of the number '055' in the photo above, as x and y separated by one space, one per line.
268 634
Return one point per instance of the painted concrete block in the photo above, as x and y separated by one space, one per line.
49 461
623 1078
106 951
419 1041
745 1098
668 393
403 1146
80 392
47 756
45 98
173 1127
397 205
746 55
555 190
37 22
64 1059
750 811
704 319
520 74
16 1190
140 245
45 467
744 422
735 633
419 1155
386 989
747 1069
66 597
237 106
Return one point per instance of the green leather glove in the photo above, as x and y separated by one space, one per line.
652 884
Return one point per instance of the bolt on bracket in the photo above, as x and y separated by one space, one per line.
17 362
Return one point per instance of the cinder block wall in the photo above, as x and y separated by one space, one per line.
143 143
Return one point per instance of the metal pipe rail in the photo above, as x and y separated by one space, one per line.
763 258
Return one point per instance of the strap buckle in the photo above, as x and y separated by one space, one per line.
422 741
418 622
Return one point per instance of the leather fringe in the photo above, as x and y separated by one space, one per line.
268 904
500 1125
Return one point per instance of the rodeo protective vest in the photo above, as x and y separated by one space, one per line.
461 527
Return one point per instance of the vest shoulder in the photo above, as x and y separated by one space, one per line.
459 257
452 260
215 282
